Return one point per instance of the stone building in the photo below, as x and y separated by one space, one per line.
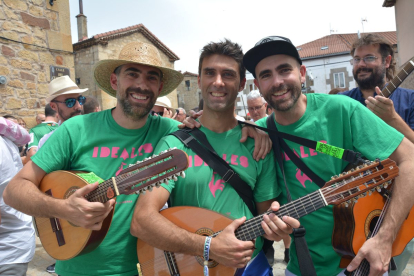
34 36
188 93
108 46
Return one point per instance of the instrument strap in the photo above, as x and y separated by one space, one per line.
196 140
302 251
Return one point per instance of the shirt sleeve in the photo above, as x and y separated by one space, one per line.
266 187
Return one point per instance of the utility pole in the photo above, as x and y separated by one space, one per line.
362 23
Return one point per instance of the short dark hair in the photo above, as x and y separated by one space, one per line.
385 49
49 112
226 48
90 105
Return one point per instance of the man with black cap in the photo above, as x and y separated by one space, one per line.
279 73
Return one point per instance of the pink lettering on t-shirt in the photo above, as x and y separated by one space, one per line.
133 155
120 168
114 152
146 147
234 159
217 185
302 152
312 152
124 154
105 152
95 152
244 161
224 157
197 161
302 178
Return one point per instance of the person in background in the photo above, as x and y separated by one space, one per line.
162 107
36 133
17 236
336 90
181 114
40 117
373 65
91 105
256 105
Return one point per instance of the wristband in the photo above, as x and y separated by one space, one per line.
206 254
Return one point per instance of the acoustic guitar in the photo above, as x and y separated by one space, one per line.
343 188
354 224
62 239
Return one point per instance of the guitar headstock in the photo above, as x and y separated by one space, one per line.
357 182
152 172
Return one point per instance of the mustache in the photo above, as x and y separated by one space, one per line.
369 70
278 89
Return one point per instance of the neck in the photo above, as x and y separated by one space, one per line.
218 121
126 122
292 115
367 92
50 119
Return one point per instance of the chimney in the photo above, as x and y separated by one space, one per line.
82 26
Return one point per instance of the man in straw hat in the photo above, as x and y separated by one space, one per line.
221 77
276 65
103 143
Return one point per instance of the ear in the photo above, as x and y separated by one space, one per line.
242 84
114 81
53 106
302 71
388 61
257 84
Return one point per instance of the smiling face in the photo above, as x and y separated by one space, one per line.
219 82
369 75
279 78
138 87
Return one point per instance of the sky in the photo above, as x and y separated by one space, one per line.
185 26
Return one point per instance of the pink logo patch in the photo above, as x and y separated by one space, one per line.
302 178
214 186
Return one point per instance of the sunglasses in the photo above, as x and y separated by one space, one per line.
72 101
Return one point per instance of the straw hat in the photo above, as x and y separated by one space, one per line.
165 102
61 86
139 53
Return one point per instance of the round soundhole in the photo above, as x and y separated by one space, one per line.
200 259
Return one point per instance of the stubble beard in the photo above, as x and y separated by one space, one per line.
72 114
284 105
136 111
375 79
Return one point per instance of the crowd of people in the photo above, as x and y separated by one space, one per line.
258 179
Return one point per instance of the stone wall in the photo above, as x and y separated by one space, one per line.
86 58
188 98
33 36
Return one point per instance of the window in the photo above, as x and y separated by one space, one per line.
251 87
339 80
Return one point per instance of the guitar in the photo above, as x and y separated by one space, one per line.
63 240
340 189
354 224
398 79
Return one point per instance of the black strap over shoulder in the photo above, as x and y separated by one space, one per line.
196 140
302 251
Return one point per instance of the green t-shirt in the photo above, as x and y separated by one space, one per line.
96 143
37 132
344 123
203 188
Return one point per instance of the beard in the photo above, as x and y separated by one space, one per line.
285 104
136 111
375 79
73 114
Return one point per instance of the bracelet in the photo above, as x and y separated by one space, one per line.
206 254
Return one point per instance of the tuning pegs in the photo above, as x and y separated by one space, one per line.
174 178
182 174
150 188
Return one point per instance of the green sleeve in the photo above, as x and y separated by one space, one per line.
266 187
55 154
371 135
34 139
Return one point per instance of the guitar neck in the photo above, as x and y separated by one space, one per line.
298 208
398 79
106 190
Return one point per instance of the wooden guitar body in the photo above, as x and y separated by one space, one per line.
154 261
354 223
60 238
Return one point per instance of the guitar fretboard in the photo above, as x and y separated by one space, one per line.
398 79
252 229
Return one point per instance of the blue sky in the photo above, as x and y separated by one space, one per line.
185 26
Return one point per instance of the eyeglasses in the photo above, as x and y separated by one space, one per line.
367 60
255 108
72 101
160 113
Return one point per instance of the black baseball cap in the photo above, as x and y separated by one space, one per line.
269 46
